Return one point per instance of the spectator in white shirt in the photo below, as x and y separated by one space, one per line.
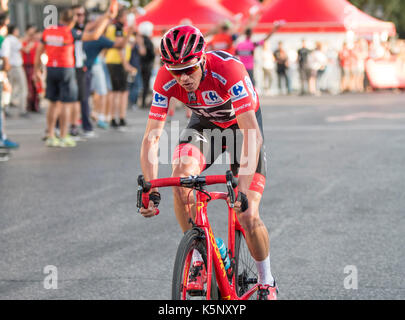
317 62
16 75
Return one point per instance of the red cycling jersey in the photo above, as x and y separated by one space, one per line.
59 46
224 92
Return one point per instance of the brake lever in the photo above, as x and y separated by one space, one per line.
141 181
231 194
231 183
143 186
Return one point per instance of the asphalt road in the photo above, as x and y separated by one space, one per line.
334 198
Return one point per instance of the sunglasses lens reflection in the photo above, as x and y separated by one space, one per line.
187 71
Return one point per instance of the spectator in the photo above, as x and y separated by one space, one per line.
281 58
360 54
345 62
245 50
317 62
135 81
303 67
81 107
29 47
223 40
61 85
12 51
98 83
226 32
99 90
268 67
118 67
147 55
4 66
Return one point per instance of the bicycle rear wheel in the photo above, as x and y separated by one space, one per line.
191 241
245 267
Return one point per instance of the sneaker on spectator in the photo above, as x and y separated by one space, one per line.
52 142
89 134
74 131
123 122
8 144
114 124
67 142
102 124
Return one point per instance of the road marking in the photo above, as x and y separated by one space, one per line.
336 128
366 115
309 128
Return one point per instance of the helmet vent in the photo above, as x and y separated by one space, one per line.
175 34
200 45
170 47
163 51
190 45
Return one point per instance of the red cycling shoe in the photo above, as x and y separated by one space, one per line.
197 278
267 292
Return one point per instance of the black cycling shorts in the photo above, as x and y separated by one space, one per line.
206 141
118 77
61 84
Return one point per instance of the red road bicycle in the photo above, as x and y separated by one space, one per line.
239 281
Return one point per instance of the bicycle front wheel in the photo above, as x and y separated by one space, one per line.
191 241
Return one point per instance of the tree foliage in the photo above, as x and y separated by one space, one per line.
389 10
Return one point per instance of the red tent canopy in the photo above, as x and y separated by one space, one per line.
321 16
165 14
240 6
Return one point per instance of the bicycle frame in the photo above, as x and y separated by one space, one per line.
227 290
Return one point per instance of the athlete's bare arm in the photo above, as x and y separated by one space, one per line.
252 143
149 157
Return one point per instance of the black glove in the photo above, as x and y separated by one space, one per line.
155 197
242 198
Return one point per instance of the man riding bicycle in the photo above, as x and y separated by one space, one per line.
216 87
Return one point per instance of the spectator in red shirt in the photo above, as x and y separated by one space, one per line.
223 40
29 47
61 86
346 61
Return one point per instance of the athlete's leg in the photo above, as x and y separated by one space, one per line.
52 116
257 237
64 118
184 205
189 159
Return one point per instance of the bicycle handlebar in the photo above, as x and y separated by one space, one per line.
187 182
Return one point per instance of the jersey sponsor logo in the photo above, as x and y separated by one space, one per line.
238 91
159 100
169 85
54 40
243 106
156 115
192 97
219 77
250 87
222 113
211 98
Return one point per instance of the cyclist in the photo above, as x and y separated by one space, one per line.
216 87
